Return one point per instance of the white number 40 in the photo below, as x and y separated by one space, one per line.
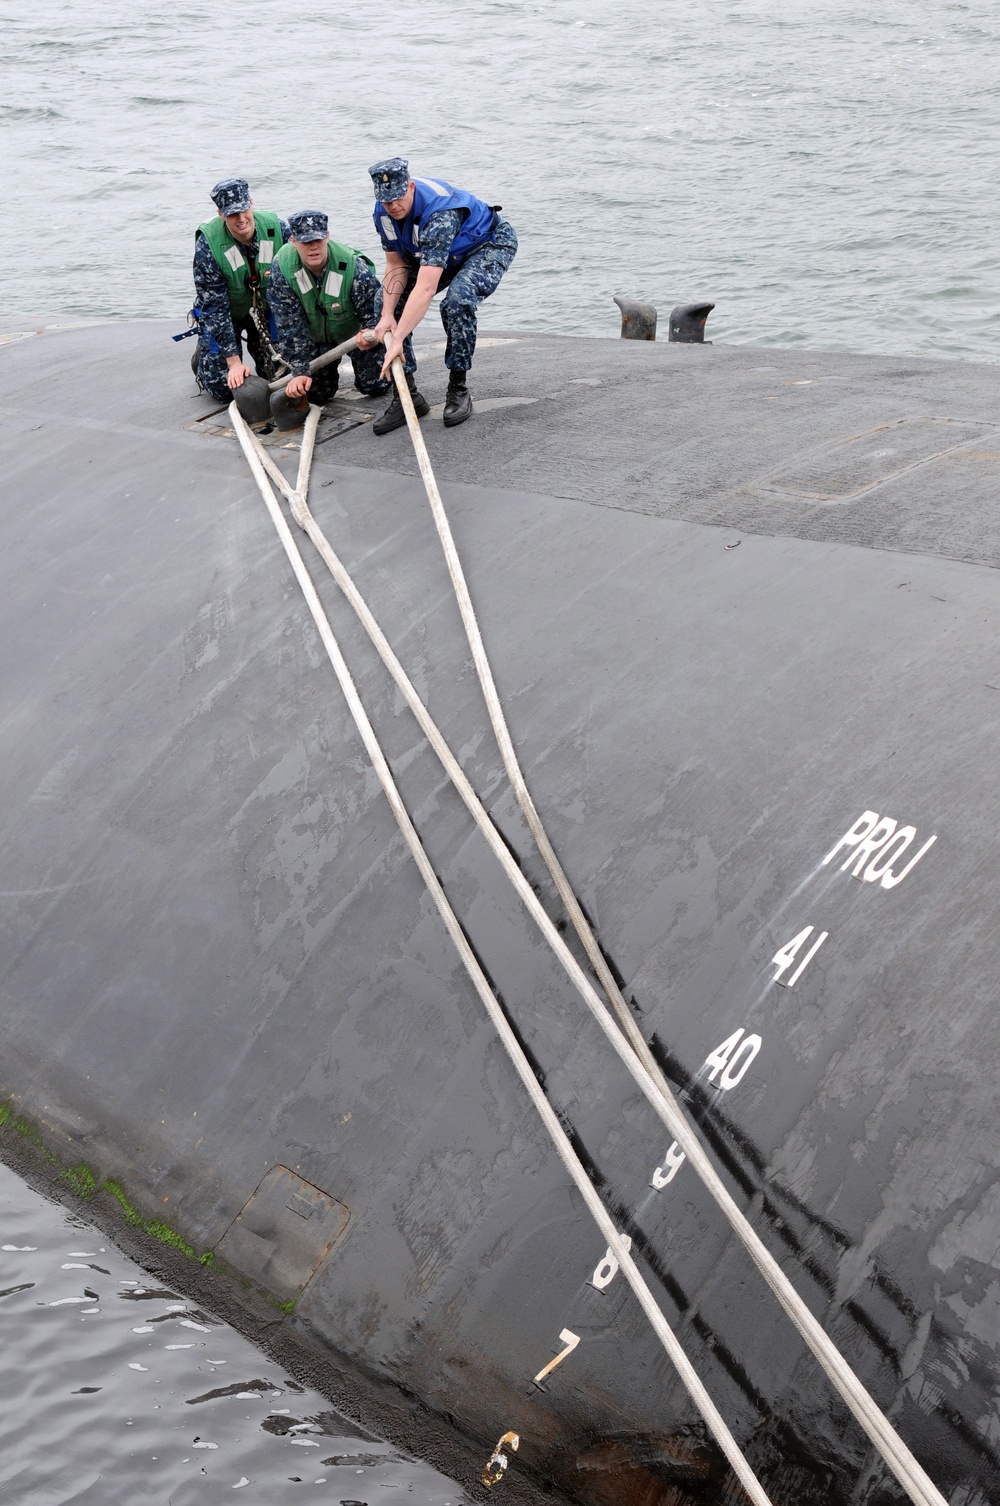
732 1058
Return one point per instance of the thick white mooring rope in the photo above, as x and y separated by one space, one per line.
548 1116
302 515
501 732
648 1077
646 1071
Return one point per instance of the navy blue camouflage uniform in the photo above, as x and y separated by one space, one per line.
218 337
298 348
475 279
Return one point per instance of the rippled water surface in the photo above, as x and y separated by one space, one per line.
115 1391
824 172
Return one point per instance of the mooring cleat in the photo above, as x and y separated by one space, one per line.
253 400
687 323
288 412
638 319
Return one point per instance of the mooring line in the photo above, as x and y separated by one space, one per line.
887 1441
501 731
508 753
557 1134
306 521
640 1061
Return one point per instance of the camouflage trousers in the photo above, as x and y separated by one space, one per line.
211 371
365 295
367 366
477 277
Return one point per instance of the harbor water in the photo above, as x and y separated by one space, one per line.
116 1390
821 172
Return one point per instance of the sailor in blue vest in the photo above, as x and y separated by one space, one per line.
230 302
434 236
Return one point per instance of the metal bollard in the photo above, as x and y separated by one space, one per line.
687 323
253 400
638 319
288 412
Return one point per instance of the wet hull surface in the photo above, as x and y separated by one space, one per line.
225 984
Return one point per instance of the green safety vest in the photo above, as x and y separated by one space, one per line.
327 301
234 261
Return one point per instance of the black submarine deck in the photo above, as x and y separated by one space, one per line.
734 599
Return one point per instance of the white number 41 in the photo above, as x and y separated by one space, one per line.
787 954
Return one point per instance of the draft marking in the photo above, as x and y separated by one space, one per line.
607 1267
570 1340
876 842
786 955
733 1058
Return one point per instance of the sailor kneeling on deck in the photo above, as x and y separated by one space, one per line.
321 294
434 236
233 254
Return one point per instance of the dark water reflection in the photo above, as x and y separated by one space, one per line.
114 1390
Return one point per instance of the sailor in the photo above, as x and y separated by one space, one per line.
232 264
321 293
434 236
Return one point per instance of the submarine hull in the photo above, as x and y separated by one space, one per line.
741 611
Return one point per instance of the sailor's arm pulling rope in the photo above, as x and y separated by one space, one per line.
326 359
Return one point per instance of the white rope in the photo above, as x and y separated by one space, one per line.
876 1425
306 521
502 733
326 359
639 1061
545 1111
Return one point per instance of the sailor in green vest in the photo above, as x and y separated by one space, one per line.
233 254
321 293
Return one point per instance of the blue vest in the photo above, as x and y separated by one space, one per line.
431 195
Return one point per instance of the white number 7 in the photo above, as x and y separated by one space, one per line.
570 1339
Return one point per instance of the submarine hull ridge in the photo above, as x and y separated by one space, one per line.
768 770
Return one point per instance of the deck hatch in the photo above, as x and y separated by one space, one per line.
848 468
283 1233
340 415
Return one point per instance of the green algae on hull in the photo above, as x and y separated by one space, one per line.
81 1181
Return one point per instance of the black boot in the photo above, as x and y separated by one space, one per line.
458 401
394 417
